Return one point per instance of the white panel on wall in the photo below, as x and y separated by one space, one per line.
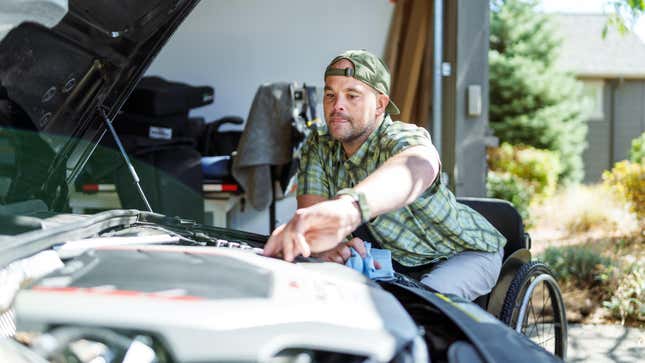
236 45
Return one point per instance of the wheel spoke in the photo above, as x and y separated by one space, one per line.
531 313
541 342
549 302
534 326
525 322
540 318
543 312
546 296
536 319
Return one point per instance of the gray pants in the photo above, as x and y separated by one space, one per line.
468 274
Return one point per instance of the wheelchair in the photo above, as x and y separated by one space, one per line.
526 297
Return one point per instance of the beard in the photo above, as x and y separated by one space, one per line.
346 131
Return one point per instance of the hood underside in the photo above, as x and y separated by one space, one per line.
54 79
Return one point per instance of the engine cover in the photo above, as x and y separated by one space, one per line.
212 303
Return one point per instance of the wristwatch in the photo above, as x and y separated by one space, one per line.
359 198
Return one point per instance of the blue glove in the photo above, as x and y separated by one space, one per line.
366 265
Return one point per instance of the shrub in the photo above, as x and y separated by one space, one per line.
637 151
627 180
579 264
511 188
538 168
628 301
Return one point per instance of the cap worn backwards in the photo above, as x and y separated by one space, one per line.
368 69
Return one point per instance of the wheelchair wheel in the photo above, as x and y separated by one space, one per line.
533 306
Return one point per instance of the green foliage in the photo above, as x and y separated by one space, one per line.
628 300
624 15
511 188
531 102
539 169
637 151
517 31
627 180
579 264
636 5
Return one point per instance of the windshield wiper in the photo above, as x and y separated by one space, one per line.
133 172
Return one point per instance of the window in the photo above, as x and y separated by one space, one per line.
593 94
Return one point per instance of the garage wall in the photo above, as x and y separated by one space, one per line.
236 45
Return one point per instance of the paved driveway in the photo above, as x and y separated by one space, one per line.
606 343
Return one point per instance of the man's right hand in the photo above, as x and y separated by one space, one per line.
314 229
341 253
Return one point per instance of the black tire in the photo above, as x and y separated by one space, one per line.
544 320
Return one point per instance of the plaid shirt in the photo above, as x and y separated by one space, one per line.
432 227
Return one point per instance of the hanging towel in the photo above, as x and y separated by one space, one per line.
265 141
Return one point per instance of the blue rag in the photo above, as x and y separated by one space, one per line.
366 265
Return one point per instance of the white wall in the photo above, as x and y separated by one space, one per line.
236 45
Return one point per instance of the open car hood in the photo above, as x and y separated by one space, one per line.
56 76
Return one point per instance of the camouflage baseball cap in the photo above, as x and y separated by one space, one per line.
368 69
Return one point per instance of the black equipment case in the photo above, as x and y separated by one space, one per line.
162 140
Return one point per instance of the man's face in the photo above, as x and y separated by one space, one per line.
351 107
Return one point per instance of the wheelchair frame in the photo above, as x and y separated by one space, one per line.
511 298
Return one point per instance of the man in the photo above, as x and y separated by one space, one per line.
366 170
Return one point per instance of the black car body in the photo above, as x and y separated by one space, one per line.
133 286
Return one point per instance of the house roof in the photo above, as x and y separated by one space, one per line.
585 53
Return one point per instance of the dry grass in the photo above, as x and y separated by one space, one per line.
588 216
580 213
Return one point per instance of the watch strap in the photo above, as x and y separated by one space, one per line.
359 198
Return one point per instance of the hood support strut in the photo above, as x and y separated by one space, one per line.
133 172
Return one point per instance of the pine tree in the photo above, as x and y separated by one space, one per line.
532 102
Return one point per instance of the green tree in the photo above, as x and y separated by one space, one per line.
637 7
625 14
531 102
